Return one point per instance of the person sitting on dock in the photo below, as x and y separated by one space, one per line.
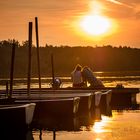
89 77
76 76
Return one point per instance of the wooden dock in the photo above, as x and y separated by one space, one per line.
120 96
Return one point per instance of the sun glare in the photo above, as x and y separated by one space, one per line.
102 126
95 25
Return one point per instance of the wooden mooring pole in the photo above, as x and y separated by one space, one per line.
54 134
40 135
52 64
29 58
7 88
12 70
37 45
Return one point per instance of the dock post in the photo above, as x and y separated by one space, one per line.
12 69
40 135
29 58
52 64
37 45
54 134
7 89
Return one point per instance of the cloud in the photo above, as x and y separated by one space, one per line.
121 9
120 3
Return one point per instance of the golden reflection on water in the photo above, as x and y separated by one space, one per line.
101 126
122 125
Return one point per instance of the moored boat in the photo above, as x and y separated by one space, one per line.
85 104
16 116
61 107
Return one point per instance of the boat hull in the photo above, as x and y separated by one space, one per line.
60 107
16 116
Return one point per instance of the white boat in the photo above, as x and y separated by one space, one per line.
62 107
85 104
17 116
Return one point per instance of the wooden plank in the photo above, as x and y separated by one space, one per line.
114 90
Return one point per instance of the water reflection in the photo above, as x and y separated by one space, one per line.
100 126
93 121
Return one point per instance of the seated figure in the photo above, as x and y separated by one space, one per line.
76 76
89 77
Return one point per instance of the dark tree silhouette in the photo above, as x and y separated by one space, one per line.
99 58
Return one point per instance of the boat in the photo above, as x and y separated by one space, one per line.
16 116
85 104
60 107
88 100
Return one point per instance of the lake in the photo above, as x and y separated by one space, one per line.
120 125
124 125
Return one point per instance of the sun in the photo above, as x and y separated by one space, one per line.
95 25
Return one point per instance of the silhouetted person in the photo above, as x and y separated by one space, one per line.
89 77
76 76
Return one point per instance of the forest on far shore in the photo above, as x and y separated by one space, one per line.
99 58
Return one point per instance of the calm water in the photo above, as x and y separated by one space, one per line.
121 125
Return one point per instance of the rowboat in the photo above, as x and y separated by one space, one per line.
87 101
16 116
60 107
85 104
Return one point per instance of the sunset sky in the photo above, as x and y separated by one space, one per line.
73 22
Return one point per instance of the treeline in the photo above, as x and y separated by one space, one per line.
99 58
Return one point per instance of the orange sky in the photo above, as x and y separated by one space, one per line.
58 21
